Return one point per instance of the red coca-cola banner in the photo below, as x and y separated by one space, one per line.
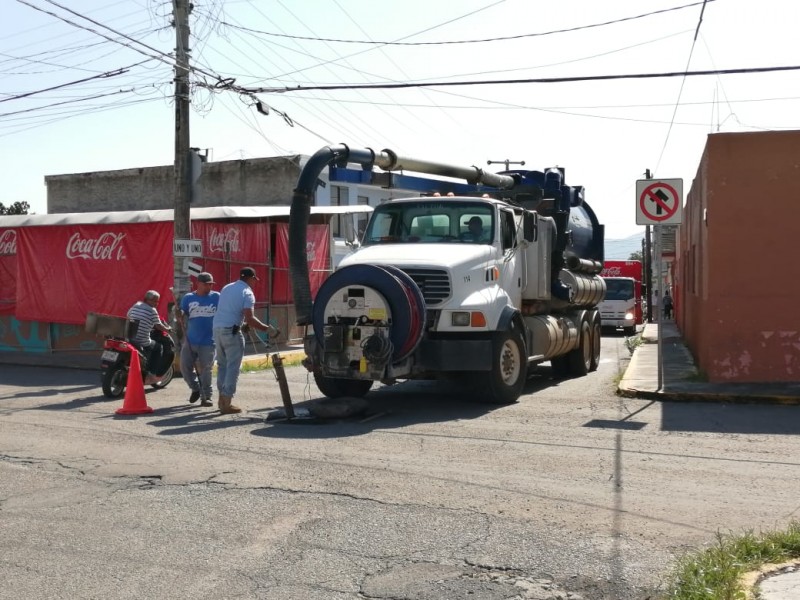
67 271
318 250
8 270
227 247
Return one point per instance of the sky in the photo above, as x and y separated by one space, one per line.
86 85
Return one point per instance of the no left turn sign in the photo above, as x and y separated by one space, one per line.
659 201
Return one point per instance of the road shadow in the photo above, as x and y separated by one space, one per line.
396 406
187 419
37 376
730 418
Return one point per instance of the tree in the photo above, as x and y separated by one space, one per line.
18 208
636 256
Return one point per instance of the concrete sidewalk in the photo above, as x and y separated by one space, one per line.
681 381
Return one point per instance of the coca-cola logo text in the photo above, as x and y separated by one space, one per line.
8 242
106 246
611 272
219 241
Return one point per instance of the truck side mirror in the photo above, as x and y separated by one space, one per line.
530 226
349 230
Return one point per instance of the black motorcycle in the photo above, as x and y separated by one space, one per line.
115 363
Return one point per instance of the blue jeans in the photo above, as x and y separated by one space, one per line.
203 358
230 351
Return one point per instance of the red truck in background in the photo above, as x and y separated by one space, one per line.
622 307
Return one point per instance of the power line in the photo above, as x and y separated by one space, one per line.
683 82
105 75
377 86
83 99
158 54
475 41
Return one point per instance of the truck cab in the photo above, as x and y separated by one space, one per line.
619 308
622 307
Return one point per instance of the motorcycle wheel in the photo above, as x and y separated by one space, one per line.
165 379
114 381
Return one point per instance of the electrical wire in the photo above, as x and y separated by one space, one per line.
573 79
680 90
473 41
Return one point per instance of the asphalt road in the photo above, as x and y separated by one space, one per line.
573 492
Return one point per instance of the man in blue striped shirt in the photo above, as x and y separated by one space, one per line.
144 311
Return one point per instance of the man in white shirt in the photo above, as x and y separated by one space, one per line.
236 302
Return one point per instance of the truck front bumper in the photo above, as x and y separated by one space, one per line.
454 355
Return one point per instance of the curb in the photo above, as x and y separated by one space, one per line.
285 355
707 397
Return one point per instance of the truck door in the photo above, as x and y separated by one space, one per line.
510 263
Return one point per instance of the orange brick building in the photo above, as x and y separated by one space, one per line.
737 266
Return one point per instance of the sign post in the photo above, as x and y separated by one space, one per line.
659 202
184 249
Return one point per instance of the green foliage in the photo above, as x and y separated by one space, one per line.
17 208
637 255
716 572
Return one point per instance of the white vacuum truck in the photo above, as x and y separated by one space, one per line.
482 280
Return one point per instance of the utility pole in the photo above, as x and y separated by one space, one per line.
505 162
183 164
648 266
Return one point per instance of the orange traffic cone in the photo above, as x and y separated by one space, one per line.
135 402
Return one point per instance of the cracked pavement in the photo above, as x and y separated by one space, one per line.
573 493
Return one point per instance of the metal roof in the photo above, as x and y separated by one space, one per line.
153 216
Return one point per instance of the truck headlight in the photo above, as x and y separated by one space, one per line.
460 319
628 315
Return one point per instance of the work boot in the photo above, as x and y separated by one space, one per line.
194 397
225 406
206 401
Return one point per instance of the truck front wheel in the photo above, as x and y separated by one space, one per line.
333 387
509 367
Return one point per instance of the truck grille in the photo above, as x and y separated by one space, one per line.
433 283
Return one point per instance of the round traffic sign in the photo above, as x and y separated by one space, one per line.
659 201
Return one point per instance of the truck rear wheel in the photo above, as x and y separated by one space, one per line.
597 334
580 359
509 367
333 387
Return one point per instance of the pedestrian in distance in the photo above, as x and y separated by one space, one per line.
145 314
235 309
197 353
667 305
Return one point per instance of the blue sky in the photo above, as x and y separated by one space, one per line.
604 133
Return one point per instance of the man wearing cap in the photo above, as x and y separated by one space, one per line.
236 304
197 354
474 231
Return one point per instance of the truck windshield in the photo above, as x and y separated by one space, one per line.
431 221
619 289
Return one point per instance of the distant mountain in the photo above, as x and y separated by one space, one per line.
622 249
